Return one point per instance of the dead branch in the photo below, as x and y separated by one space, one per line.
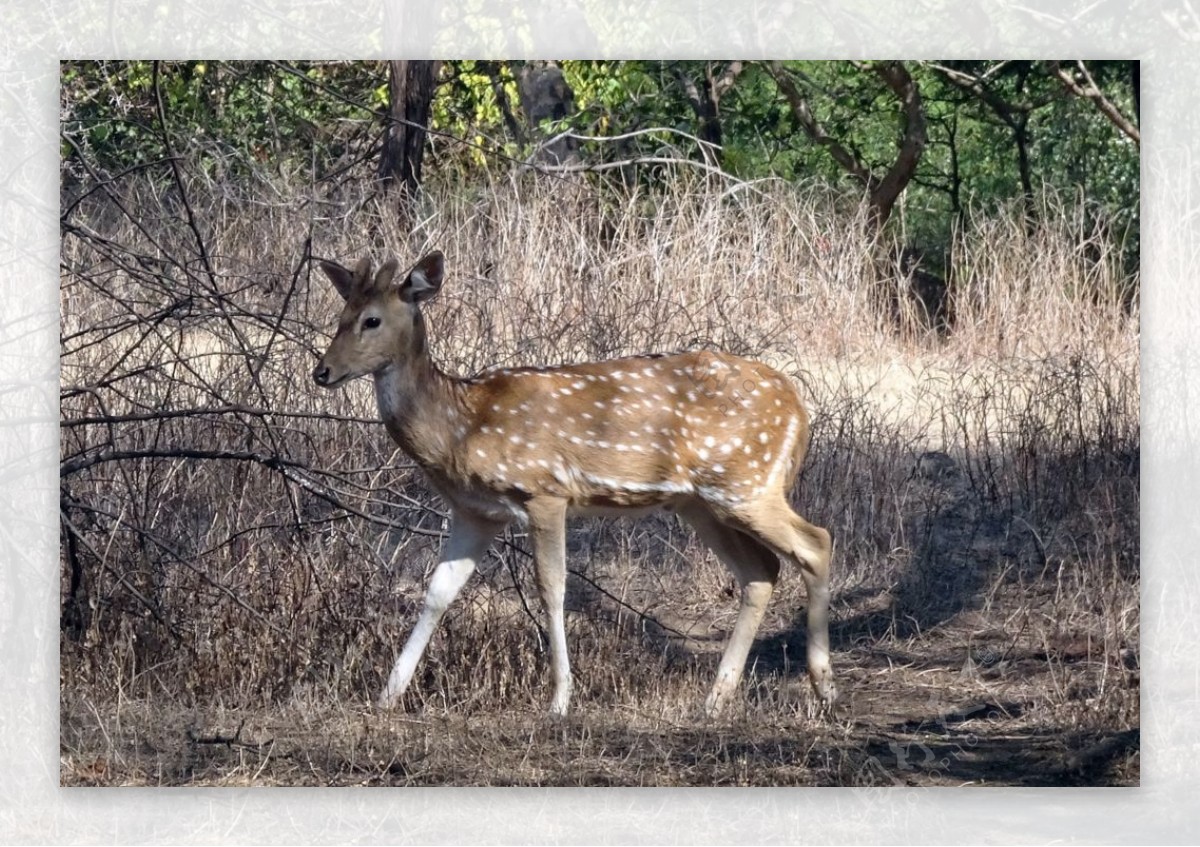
1086 87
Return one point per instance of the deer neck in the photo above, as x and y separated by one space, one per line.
420 406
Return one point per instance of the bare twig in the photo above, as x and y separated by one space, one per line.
149 604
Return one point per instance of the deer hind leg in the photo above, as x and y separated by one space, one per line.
775 524
756 568
547 532
469 540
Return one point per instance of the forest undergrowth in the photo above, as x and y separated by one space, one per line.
242 554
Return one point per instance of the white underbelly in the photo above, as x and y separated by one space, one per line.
594 511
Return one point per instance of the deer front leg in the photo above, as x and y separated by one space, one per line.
547 532
469 540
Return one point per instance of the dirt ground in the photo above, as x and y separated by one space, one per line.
945 707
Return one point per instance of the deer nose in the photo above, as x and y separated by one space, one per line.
321 374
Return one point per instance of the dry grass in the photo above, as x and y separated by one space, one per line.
242 556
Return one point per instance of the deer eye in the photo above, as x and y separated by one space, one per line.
371 323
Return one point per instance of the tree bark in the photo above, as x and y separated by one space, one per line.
705 101
912 142
411 86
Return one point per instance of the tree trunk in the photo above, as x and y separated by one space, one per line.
411 86
705 101
545 95
886 191
883 191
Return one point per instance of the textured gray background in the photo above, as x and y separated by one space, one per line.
33 809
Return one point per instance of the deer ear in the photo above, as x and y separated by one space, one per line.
342 279
424 280
384 277
347 281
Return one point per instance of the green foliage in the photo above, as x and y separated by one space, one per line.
468 107
227 116
230 118
613 98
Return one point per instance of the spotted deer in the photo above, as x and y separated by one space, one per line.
715 438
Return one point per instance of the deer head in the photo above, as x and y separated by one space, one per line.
379 318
